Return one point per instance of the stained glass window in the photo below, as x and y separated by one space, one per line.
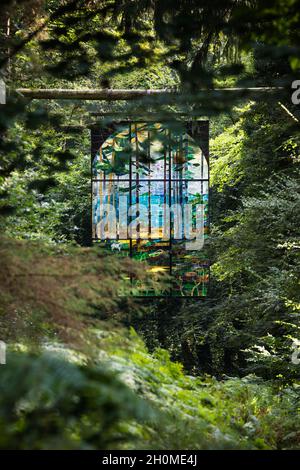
150 199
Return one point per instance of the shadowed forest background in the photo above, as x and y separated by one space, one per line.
90 369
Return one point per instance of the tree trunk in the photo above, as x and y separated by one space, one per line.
115 95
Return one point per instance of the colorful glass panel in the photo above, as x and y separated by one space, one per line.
150 202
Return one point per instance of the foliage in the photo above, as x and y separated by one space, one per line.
144 401
254 292
261 259
47 290
57 214
202 412
53 291
48 403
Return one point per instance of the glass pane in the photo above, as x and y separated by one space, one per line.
189 209
190 271
156 254
111 200
145 150
150 203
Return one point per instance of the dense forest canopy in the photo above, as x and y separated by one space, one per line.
226 368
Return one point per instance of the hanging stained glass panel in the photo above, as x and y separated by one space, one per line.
150 185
